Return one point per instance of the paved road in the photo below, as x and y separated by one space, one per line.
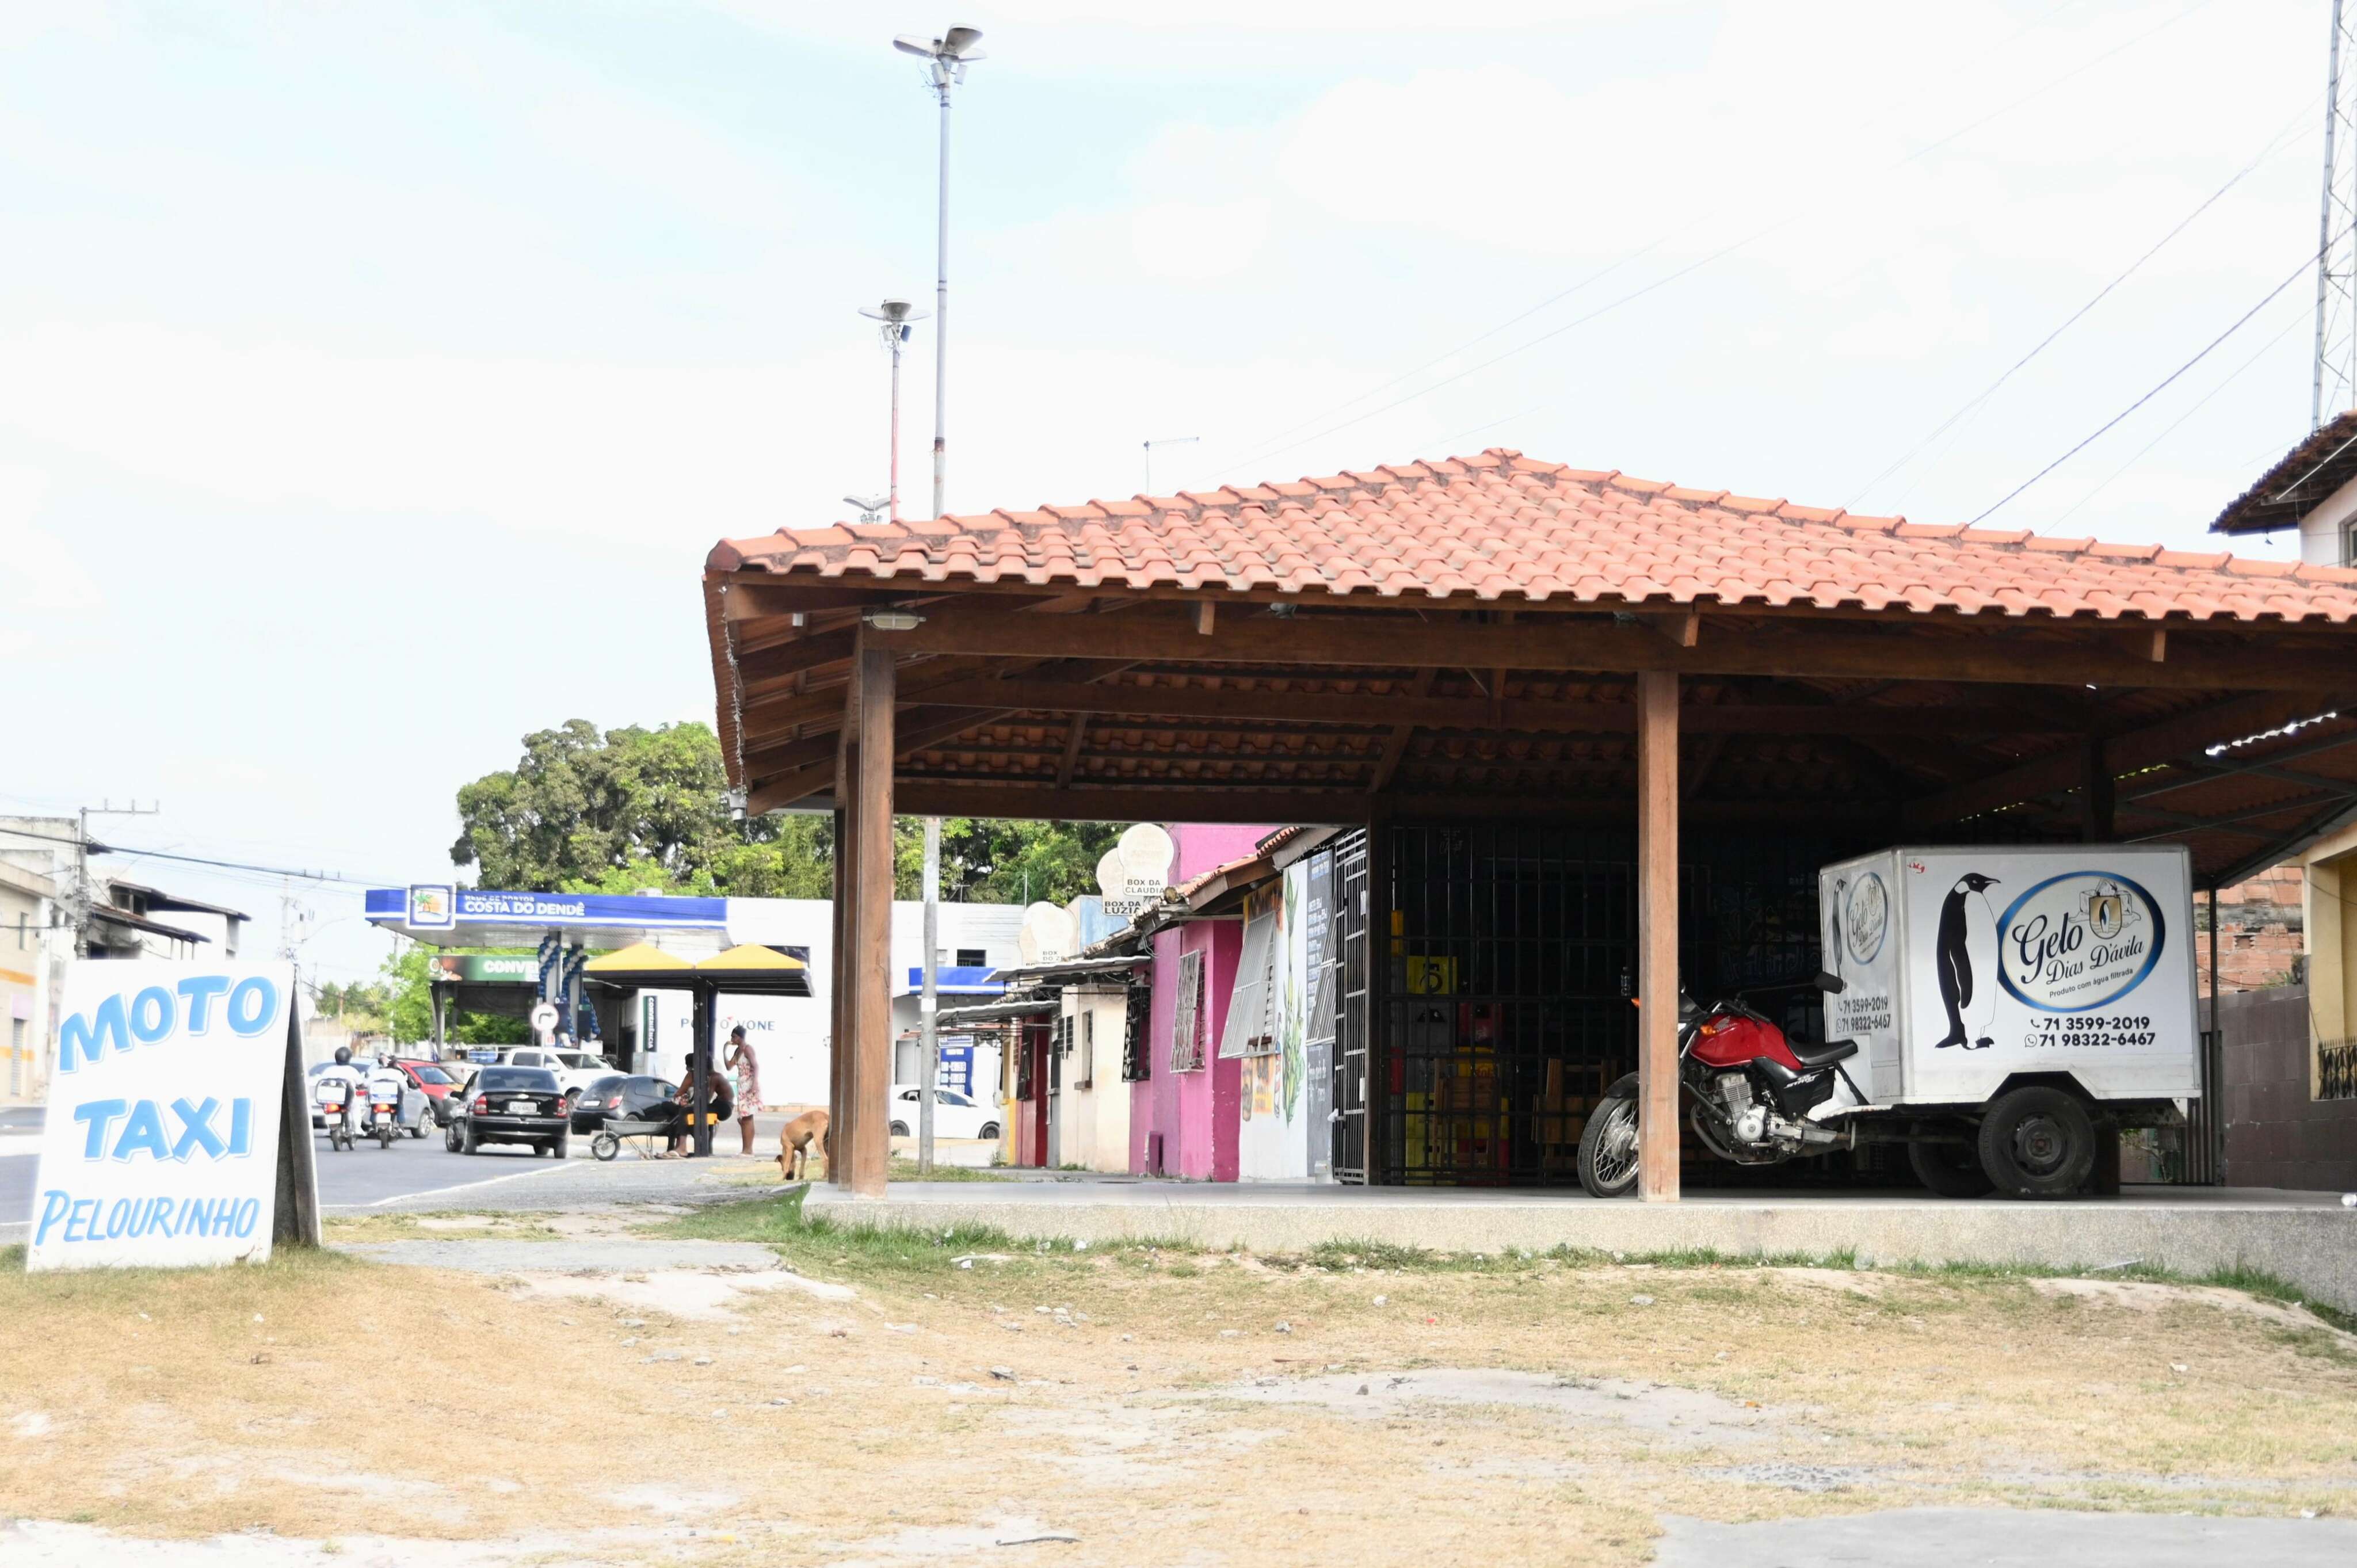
416 1174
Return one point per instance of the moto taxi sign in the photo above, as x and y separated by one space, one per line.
161 1146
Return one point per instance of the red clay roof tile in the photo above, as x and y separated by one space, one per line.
1499 525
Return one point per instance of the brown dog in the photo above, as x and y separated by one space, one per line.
794 1140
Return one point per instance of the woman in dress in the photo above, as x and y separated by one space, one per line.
740 1060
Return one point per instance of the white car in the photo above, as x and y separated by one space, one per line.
955 1115
575 1070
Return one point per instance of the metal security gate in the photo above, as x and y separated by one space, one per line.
1348 944
1506 996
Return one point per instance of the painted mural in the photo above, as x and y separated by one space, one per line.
1272 1144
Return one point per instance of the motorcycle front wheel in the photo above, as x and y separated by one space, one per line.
1607 1145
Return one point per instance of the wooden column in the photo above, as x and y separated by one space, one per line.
2098 795
1657 936
838 1044
870 1063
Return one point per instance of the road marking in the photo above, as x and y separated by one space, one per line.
462 1187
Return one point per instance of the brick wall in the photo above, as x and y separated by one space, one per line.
2261 932
2275 1135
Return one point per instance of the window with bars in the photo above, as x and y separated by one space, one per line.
1084 1047
2336 1074
1023 1065
1136 1058
1187 1016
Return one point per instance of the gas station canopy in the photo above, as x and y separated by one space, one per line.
440 914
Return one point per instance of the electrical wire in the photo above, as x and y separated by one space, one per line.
2235 375
2273 144
1792 217
94 847
2290 278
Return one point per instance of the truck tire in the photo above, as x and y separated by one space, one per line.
1951 1170
1608 1144
2037 1142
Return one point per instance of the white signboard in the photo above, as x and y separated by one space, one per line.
1965 967
161 1146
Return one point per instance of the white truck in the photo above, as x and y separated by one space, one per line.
2009 1002
576 1071
1999 1010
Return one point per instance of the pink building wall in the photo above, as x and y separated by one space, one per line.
1194 1112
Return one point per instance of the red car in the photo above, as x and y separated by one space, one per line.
433 1081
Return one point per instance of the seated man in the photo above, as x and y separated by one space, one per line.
717 1101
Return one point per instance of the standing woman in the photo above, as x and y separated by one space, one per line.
748 1069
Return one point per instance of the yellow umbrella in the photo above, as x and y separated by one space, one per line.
749 956
637 958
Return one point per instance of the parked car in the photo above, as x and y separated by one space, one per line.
575 1070
620 1097
432 1080
510 1105
955 1115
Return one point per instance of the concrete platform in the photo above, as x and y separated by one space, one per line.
2308 1239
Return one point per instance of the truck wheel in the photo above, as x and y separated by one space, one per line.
1951 1170
1607 1145
2037 1142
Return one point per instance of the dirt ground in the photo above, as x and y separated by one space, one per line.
971 1397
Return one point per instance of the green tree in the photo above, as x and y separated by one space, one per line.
585 811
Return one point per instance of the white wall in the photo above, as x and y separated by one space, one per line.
1094 1123
2323 532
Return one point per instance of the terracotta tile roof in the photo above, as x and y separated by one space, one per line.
1501 526
2297 482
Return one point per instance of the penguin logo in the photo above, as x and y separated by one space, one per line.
1952 955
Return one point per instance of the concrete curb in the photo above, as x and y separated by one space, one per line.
2312 1248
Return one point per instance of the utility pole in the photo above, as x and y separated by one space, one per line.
929 1034
2334 386
1165 441
83 902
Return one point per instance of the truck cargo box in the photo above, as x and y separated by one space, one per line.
1965 967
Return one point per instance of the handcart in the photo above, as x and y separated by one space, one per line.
609 1139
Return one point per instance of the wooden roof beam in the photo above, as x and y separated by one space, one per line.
2056 656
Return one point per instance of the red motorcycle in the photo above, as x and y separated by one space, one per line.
1749 1090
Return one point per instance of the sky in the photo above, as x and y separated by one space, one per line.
373 379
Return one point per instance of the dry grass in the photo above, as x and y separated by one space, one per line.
1122 1422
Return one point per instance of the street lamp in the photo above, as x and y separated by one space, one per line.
895 316
949 55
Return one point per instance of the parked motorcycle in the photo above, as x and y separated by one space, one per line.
1749 1089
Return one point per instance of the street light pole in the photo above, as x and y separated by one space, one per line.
895 316
949 55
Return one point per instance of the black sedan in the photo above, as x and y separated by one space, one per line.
620 1097
510 1105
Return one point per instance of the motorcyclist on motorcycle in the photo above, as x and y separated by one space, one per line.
385 1084
355 1090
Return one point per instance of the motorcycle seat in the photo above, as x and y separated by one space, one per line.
1814 1057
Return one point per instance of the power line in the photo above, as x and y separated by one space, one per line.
94 846
2290 278
2201 402
2273 146
1796 215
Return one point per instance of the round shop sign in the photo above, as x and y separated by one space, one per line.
2079 941
1865 917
